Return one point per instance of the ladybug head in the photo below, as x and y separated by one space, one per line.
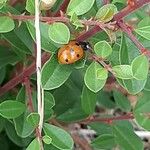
85 45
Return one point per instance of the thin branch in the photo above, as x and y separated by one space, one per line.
89 33
28 93
121 14
29 71
108 120
128 31
81 142
129 9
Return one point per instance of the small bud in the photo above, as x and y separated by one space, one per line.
47 4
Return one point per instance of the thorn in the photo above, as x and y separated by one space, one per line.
131 3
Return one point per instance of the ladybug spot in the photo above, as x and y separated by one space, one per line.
78 55
66 60
77 44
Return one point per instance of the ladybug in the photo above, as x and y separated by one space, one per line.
72 52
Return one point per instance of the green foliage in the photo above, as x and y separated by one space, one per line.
59 33
79 7
33 119
60 138
11 109
34 145
54 74
121 101
7 24
88 100
107 87
143 28
106 12
102 49
126 138
141 110
30 6
95 77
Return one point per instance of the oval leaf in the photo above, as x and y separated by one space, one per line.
34 145
142 111
123 71
33 119
121 101
106 13
102 49
11 109
144 28
93 78
126 138
47 139
60 138
54 74
88 100
140 67
105 141
59 33
79 7
30 6
6 24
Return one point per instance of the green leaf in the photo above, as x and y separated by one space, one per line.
119 1
60 138
141 110
102 49
122 101
140 67
75 21
105 141
30 6
11 133
59 33
106 13
54 74
2 3
49 100
22 126
34 145
93 78
33 119
6 25
46 43
143 28
47 139
2 74
15 38
49 103
88 101
126 138
11 109
128 52
79 7
104 99
123 71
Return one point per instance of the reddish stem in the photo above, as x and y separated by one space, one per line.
31 69
127 10
108 120
106 2
29 93
62 8
89 33
128 31
19 78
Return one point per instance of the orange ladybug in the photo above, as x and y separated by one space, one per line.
72 52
